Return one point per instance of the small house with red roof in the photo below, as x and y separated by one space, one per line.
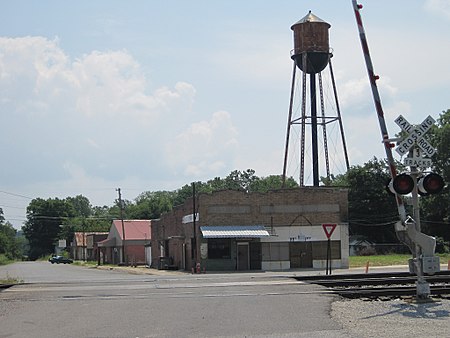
126 243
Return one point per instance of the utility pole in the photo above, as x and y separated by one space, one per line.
123 227
84 241
195 230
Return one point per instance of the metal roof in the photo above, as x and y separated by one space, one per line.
310 17
234 231
135 229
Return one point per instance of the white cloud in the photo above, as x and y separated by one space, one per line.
206 147
354 92
40 78
111 84
90 111
441 7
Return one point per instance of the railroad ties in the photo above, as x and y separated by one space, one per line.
381 285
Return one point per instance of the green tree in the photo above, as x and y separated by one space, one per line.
272 182
150 205
9 245
81 205
435 212
236 180
372 212
241 180
102 213
43 224
186 192
85 219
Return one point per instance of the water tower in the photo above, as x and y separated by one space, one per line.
311 54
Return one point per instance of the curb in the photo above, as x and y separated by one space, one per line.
140 270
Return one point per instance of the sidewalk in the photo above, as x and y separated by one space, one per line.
143 270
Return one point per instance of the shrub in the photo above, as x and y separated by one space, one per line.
442 246
368 251
4 259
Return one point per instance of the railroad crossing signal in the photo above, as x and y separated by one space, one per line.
403 184
415 136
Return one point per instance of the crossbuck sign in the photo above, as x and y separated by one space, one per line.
415 136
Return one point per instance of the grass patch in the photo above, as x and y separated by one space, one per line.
85 263
386 260
5 260
10 280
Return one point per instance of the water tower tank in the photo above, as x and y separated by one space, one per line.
311 37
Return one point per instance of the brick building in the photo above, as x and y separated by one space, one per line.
235 230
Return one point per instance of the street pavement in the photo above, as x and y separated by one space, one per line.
74 301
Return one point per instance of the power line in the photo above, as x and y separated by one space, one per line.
10 206
15 219
17 195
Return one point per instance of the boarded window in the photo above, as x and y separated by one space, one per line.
319 250
219 248
275 251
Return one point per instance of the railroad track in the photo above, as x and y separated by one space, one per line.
381 285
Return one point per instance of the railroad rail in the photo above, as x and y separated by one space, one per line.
381 285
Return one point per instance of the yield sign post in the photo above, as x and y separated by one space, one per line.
329 229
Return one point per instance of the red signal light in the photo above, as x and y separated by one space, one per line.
402 184
430 184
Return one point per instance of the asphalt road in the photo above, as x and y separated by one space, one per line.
73 301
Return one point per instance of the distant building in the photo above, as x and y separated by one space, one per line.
235 230
133 240
358 244
93 252
82 247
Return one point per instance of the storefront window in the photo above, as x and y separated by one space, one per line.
278 251
219 248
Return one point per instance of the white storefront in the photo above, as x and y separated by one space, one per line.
304 246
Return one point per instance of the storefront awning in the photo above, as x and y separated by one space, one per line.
234 231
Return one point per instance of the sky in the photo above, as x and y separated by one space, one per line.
152 95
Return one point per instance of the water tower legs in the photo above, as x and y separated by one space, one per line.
315 147
314 121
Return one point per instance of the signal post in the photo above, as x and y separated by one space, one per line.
417 182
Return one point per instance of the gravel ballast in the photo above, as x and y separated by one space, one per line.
393 318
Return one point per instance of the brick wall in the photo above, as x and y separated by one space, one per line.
288 207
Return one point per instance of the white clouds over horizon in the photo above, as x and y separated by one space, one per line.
96 111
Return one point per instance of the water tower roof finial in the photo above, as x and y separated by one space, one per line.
310 17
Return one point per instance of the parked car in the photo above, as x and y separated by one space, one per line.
60 259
